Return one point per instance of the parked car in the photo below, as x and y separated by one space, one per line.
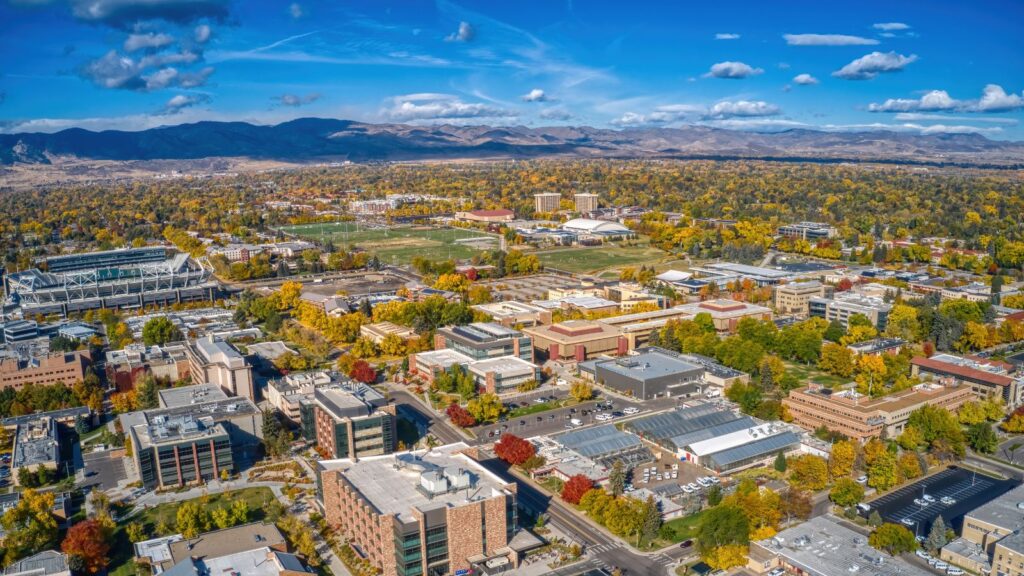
561 382
947 500
928 498
686 544
631 410
862 480
907 522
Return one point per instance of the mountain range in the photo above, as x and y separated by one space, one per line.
318 140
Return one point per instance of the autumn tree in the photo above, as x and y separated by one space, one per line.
723 532
87 546
486 407
361 371
513 449
575 488
846 492
808 472
893 539
191 519
581 391
842 458
460 416
29 525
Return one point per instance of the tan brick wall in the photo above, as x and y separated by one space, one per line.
465 534
494 510
347 513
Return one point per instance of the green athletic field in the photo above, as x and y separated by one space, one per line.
396 245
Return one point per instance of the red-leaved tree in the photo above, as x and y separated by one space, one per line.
844 285
362 371
86 544
513 449
575 488
459 416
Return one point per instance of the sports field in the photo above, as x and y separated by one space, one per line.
398 245
603 259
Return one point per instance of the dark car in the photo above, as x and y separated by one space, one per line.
572 410
540 418
522 422
618 414
686 544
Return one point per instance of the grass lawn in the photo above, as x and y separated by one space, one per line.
396 245
121 555
552 484
684 528
807 374
535 408
605 258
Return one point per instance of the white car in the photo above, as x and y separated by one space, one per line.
687 489
928 498
631 410
693 486
561 382
602 417
862 480
920 502
908 522
923 555
948 501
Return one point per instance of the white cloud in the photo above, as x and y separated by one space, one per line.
535 95
741 108
868 66
178 103
805 79
296 100
993 99
726 36
911 128
296 11
148 41
559 114
418 107
465 33
890 26
758 124
732 70
827 40
918 116
202 33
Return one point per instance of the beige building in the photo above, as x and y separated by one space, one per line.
64 367
795 297
218 362
511 313
636 328
585 202
546 202
378 331
991 542
862 418
288 393
726 314
433 512
576 340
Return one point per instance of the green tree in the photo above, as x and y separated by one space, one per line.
617 479
883 472
846 492
874 519
581 391
651 519
159 331
221 518
780 462
893 539
714 495
937 535
146 394
982 438
808 472
136 532
720 526
239 511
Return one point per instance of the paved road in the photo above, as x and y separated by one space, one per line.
104 470
413 409
603 551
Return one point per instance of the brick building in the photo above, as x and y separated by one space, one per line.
64 367
430 513
349 420
577 340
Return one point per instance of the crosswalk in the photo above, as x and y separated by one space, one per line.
594 553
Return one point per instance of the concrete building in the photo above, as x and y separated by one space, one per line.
546 202
288 394
503 375
226 431
985 377
724 273
36 444
824 547
845 304
877 346
990 541
128 278
586 202
488 216
576 340
427 365
378 331
180 449
430 513
863 418
589 227
482 340
515 314
126 367
795 297
350 420
202 553
652 373
808 231
726 314
218 362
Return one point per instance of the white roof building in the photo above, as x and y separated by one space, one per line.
588 226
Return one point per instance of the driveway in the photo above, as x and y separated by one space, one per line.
103 470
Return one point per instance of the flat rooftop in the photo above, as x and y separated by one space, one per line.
855 401
442 358
1005 511
508 308
226 542
748 270
823 547
504 365
349 400
215 351
392 484
648 365
736 438
189 395
37 442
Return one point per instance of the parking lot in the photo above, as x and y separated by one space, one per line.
967 489
527 288
103 469
665 466
553 421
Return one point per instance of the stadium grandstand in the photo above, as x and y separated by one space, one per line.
126 278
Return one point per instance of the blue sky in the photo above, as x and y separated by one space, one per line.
918 67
